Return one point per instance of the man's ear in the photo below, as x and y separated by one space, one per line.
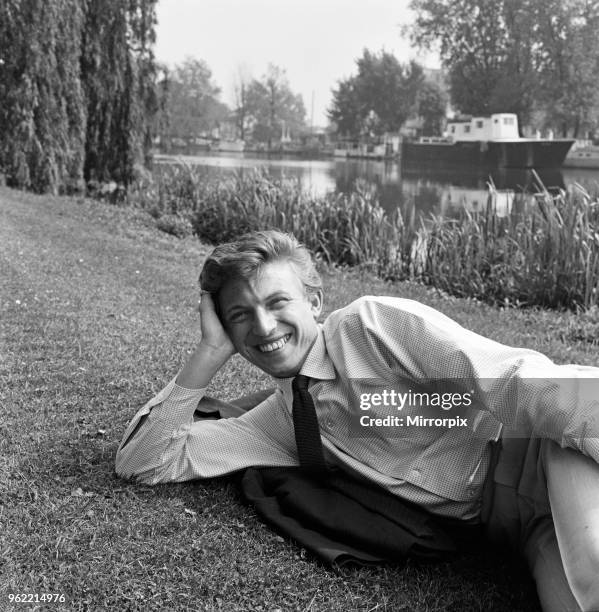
316 299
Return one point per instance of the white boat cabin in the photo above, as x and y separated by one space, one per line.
501 126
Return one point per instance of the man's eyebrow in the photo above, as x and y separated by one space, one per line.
276 294
233 308
228 310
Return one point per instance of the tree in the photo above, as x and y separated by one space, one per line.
118 74
273 108
379 98
193 107
76 91
521 56
241 112
42 111
346 110
568 61
431 104
160 120
482 50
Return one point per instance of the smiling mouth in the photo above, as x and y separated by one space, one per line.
269 347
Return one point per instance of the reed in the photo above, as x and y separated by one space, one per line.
546 256
545 253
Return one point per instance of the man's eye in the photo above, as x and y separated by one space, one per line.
279 302
237 317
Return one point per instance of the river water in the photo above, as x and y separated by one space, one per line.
439 191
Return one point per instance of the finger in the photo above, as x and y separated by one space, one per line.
207 307
205 297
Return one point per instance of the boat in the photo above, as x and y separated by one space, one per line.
383 147
583 156
486 142
361 151
224 144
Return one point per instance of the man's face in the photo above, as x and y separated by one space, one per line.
271 319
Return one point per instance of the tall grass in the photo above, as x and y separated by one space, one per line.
545 253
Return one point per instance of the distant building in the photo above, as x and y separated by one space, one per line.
412 128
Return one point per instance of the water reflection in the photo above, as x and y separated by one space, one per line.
440 191
447 192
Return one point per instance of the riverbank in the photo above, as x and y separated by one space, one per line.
97 313
543 252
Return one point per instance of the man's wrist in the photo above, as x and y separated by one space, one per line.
201 367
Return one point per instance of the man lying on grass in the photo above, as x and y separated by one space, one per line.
405 398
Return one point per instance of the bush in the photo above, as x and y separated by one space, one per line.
175 225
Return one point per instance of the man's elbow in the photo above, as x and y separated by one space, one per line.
125 469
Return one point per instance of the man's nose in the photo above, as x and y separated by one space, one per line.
264 322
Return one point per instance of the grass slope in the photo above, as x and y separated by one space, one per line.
97 312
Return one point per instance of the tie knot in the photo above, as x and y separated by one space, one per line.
300 382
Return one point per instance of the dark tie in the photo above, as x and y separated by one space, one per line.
305 423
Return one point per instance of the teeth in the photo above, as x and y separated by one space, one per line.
273 346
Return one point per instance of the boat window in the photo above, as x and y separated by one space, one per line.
466 129
508 121
479 124
453 129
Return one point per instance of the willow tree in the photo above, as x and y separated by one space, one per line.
42 108
117 74
76 90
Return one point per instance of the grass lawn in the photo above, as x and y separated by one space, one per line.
97 313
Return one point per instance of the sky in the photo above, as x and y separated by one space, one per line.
316 41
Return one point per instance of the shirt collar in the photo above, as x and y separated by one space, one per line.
318 364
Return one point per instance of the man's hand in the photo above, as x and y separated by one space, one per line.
214 335
213 352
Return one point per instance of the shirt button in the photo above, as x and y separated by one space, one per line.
329 423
